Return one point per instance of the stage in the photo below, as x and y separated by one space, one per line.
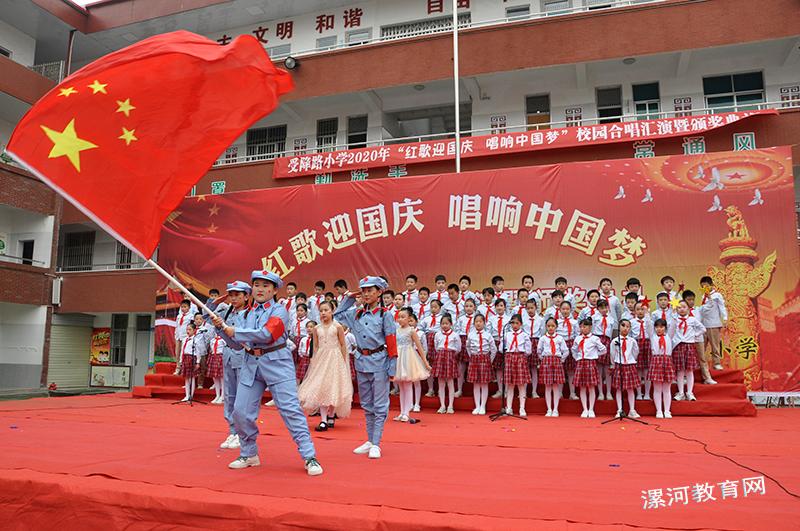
112 462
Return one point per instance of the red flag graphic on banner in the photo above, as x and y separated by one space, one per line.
126 137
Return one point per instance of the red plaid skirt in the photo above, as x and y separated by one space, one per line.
586 373
462 355
569 363
625 377
605 359
430 336
214 367
643 361
660 369
684 356
551 371
352 366
302 367
445 365
480 369
294 355
517 371
187 366
533 359
497 364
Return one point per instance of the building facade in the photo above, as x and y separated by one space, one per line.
367 74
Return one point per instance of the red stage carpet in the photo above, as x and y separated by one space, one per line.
112 462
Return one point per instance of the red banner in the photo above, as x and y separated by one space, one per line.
481 146
730 215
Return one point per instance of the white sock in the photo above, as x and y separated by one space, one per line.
451 386
417 388
484 394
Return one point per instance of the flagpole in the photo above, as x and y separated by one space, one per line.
180 286
455 86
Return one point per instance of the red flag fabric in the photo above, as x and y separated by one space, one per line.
126 137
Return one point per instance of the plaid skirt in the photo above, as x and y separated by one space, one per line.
430 336
497 364
569 363
463 357
480 369
551 371
684 357
533 359
625 377
660 369
302 367
445 365
214 367
643 361
586 373
517 371
187 366
605 359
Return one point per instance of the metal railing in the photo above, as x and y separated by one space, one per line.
20 260
54 70
118 266
232 157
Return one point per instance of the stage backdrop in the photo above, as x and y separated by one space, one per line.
730 215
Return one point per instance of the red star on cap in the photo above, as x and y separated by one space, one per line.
264 272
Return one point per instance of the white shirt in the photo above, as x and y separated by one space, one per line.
641 327
533 327
627 314
655 346
592 348
464 295
597 325
451 339
666 314
465 324
193 346
481 343
631 353
422 310
551 311
304 348
518 341
181 322
216 345
440 296
587 312
686 330
713 311
545 347
350 342
298 328
290 304
411 297
422 339
455 309
614 305
431 324
313 306
567 328
486 310
496 325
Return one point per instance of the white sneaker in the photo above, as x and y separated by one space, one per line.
457 394
363 449
601 396
618 415
450 411
549 413
591 414
717 367
659 415
234 442
633 414
679 397
498 394
534 395
482 411
313 467
429 394
398 418
710 381
403 418
394 392
573 397
185 399
375 452
244 462
523 413
585 414
226 444
442 410
555 413
667 415
690 396
271 403
638 396
476 411
416 409
646 397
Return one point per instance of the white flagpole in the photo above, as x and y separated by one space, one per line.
180 286
455 86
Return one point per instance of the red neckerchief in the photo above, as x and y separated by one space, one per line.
289 303
447 338
683 324
664 314
624 349
216 344
662 345
605 324
480 341
641 328
705 298
421 310
552 343
183 316
580 346
469 323
298 328
433 319
514 342
591 311
569 326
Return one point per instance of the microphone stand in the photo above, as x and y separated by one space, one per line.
503 411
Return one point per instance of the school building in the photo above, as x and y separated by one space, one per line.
375 73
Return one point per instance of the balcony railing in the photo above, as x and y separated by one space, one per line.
232 157
75 268
21 260
53 71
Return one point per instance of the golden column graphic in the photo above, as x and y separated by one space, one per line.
741 282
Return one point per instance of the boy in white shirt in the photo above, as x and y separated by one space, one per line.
614 305
422 307
533 293
588 311
411 293
556 298
453 304
714 316
486 308
465 292
181 322
441 289
569 295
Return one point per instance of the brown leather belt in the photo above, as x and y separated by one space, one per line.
370 352
258 352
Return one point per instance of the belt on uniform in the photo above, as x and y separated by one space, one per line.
258 352
370 352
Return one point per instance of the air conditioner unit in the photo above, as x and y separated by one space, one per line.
57 290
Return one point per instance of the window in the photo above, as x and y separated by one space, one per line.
280 51
518 12
326 43
647 101
734 92
5 52
143 323
119 336
27 251
597 4
78 251
356 132
127 258
556 7
358 36
609 104
266 142
326 134
537 111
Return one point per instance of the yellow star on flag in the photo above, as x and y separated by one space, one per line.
98 87
213 211
66 143
675 303
66 92
125 107
212 229
128 136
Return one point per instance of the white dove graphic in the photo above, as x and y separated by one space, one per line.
715 183
701 174
757 200
716 206
648 196
620 193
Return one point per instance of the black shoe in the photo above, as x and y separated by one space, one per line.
322 427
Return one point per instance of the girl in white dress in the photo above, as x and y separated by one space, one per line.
411 363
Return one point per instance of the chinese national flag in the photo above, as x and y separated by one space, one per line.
126 137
